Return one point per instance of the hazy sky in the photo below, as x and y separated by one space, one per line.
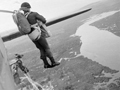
48 8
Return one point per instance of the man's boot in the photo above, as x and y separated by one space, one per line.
46 64
53 62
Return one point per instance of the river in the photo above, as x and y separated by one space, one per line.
100 45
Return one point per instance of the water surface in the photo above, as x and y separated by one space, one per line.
100 45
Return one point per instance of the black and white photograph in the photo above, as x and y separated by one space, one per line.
59 45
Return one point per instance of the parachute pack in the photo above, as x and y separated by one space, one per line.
25 28
21 22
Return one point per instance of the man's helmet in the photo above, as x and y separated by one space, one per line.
25 4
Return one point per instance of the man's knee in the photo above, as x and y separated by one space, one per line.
48 53
42 57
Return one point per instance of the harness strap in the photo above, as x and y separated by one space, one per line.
32 29
27 14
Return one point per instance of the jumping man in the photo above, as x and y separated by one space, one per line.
40 41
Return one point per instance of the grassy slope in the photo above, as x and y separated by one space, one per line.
74 73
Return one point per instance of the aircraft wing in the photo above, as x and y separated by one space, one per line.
66 17
52 22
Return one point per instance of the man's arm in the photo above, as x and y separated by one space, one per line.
40 17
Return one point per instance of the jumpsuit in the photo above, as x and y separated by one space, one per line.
41 43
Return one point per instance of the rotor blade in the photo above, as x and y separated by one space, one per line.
66 17
6 11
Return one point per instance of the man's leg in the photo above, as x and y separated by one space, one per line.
43 54
48 52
